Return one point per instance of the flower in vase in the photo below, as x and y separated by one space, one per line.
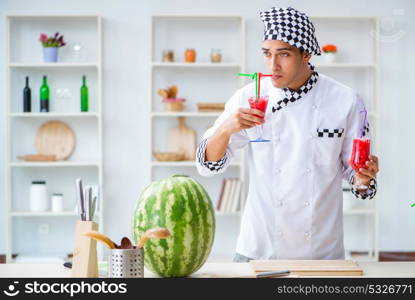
52 41
329 48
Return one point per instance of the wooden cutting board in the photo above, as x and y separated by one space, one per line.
183 139
55 138
309 267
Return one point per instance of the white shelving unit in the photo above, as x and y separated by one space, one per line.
25 59
360 70
201 32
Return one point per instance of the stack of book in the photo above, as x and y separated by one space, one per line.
229 197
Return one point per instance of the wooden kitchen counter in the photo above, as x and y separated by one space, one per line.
209 270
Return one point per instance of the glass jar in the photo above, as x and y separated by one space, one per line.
38 196
215 56
168 56
190 55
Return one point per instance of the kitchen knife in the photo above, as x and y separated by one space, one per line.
93 207
272 274
90 203
80 198
86 203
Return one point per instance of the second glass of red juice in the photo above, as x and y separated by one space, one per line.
359 157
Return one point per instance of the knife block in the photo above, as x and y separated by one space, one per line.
85 260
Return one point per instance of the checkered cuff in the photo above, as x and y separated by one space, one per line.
213 166
370 192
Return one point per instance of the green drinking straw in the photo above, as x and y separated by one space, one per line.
257 77
254 76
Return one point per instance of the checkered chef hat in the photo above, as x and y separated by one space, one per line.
290 26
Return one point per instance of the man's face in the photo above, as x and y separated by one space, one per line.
285 62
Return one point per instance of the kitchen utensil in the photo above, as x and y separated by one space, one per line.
126 263
93 207
160 233
102 238
55 138
183 139
272 274
87 203
173 90
37 157
163 93
309 267
80 198
126 243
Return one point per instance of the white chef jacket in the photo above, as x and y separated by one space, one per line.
295 199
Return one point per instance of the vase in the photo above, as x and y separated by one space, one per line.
329 57
50 54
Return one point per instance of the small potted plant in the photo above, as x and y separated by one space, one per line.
50 46
171 102
330 51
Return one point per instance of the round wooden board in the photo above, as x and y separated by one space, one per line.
55 138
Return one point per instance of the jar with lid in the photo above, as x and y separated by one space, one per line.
215 56
190 55
56 202
168 56
38 196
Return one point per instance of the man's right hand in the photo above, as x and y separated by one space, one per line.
243 118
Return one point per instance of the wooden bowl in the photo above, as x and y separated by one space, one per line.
169 156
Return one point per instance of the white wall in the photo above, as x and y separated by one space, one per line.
125 30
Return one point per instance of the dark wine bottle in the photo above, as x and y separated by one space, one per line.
44 96
27 97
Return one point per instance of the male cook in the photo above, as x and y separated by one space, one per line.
294 205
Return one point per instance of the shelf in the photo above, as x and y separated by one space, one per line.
43 214
360 211
196 65
52 16
197 16
224 214
53 65
54 115
182 164
68 213
54 164
345 65
186 114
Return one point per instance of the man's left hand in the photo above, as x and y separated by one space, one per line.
366 174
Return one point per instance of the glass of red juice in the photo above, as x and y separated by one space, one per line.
359 157
260 104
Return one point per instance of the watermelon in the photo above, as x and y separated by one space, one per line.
182 205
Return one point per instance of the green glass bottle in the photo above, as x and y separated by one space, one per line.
44 96
84 95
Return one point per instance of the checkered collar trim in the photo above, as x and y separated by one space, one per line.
291 96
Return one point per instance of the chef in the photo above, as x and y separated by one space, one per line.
294 204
